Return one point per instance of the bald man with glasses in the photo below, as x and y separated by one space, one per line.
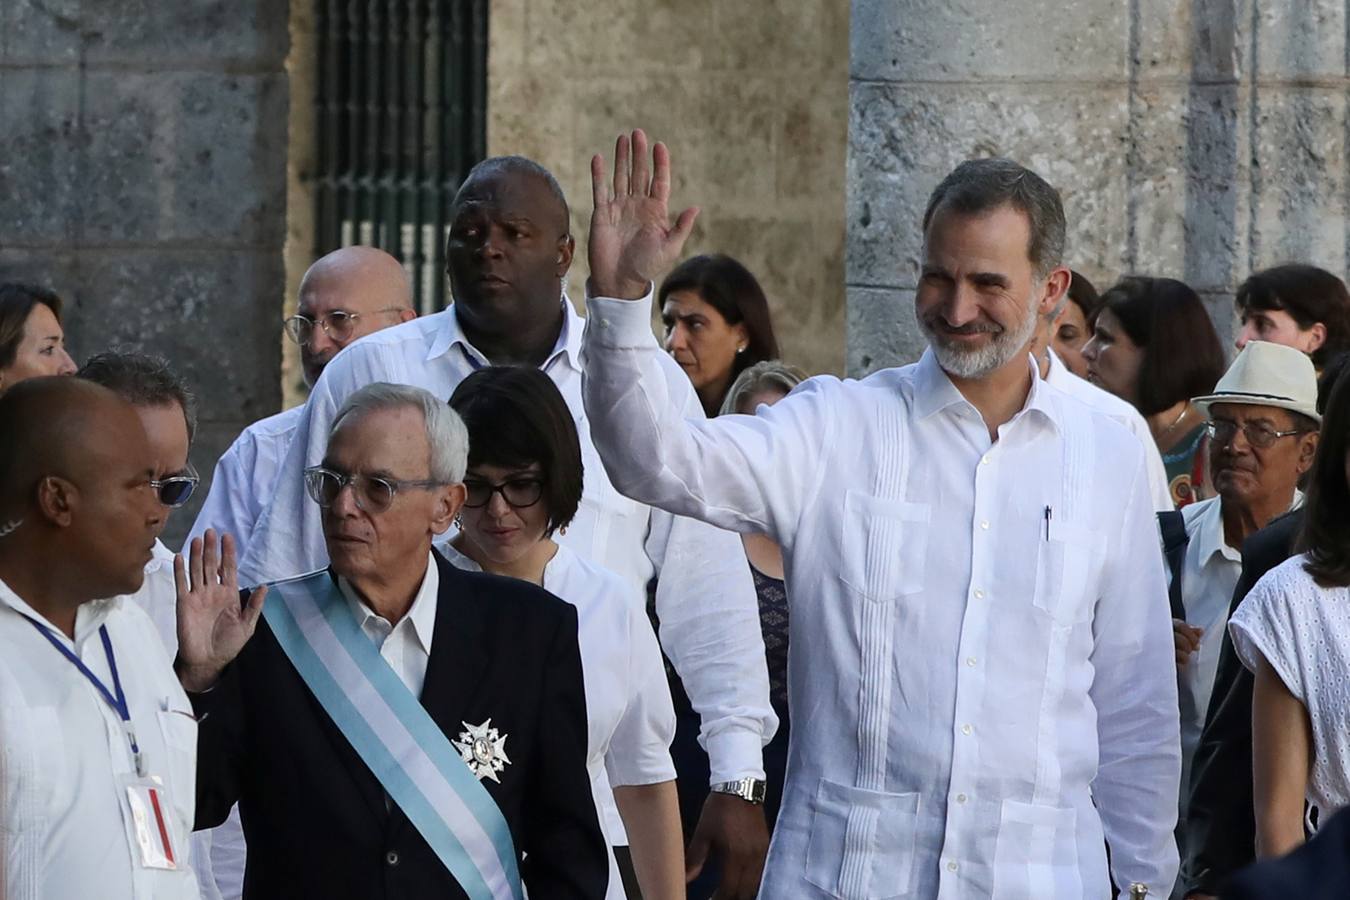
344 296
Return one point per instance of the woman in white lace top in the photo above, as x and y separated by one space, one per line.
1293 632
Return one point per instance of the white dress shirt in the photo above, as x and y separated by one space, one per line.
1124 413
158 596
982 694
64 757
629 714
406 644
705 596
241 486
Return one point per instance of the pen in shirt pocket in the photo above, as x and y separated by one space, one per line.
1049 513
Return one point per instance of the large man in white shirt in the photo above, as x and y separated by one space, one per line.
344 296
981 658
1263 423
507 254
1054 371
97 739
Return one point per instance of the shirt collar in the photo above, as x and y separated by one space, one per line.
450 334
1208 531
422 613
161 556
934 392
87 618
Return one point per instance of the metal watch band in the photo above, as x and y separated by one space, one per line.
748 789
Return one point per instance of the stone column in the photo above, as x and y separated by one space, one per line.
143 177
1197 139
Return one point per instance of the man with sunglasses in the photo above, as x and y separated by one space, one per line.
168 412
394 727
1263 425
344 296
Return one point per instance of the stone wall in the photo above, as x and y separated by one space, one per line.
751 96
1199 139
143 177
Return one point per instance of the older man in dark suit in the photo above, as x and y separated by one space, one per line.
395 727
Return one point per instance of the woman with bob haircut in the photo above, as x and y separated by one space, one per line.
1154 345
1293 633
1300 306
524 483
717 324
32 343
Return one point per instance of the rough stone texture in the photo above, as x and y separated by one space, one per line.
1200 139
143 156
751 96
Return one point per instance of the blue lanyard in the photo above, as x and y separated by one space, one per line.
116 698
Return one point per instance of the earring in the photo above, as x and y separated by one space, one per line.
740 349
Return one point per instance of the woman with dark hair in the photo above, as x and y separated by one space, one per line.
1072 328
1300 306
1293 632
524 484
717 324
1154 345
32 343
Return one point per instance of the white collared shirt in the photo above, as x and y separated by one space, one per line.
158 596
705 596
241 485
1124 413
64 755
406 644
1209 573
629 715
980 692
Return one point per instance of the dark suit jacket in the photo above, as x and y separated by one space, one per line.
315 817
1221 826
1319 870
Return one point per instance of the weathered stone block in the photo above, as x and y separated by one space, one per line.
620 37
783 38
1303 39
184 157
195 34
903 139
40 140
39 31
941 40
882 330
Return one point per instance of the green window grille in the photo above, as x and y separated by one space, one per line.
402 91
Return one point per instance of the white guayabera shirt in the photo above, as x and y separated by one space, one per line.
705 596
630 720
982 694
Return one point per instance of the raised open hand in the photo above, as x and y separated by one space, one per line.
212 624
631 240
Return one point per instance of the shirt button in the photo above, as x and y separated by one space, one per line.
966 729
960 798
970 661
951 866
984 460
979 595
985 525
391 858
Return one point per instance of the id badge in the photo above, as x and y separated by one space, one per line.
150 823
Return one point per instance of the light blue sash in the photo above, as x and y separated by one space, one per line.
394 735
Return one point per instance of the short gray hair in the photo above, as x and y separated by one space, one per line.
769 375
446 434
981 185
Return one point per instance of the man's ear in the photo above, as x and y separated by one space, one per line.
1056 285
1307 451
56 500
449 501
567 247
1317 337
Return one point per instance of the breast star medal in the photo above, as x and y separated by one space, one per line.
483 750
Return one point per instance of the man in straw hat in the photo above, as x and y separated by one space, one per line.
1263 424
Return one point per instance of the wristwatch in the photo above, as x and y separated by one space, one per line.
750 790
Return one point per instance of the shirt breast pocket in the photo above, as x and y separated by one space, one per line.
1068 570
884 546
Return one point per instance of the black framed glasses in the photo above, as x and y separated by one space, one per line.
517 492
1258 435
372 493
176 490
338 325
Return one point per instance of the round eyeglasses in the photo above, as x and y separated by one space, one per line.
176 490
1258 435
517 492
338 325
372 493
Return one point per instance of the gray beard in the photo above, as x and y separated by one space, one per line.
975 364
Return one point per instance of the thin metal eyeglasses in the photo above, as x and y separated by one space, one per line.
372 493
518 493
176 490
1258 435
337 324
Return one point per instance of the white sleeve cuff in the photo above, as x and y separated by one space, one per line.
620 323
734 754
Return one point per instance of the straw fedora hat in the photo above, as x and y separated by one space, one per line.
1266 374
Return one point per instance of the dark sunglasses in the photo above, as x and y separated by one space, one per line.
176 490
